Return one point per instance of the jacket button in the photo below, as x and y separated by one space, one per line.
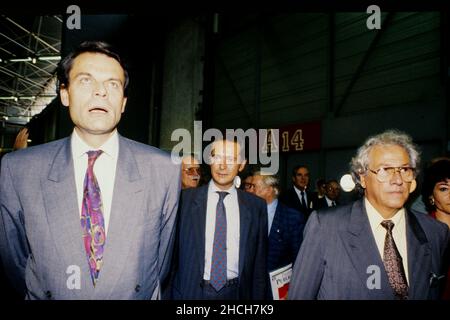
138 288
48 294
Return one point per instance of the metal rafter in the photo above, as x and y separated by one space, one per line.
22 38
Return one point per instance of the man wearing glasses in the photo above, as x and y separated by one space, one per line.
373 248
190 172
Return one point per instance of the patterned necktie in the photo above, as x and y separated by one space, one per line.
393 263
92 218
218 276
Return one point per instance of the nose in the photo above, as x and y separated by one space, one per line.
223 165
397 178
100 90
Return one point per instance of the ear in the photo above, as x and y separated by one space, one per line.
363 180
124 103
64 95
242 165
413 186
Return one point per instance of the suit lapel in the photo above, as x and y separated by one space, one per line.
244 221
274 229
63 213
361 247
198 223
419 262
127 195
296 198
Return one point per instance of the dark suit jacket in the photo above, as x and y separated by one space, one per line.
285 237
189 259
291 199
339 256
322 203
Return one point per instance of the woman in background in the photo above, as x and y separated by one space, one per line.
436 197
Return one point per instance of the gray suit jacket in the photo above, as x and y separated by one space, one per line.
40 231
339 247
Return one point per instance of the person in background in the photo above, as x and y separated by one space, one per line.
321 185
436 197
331 198
190 172
298 197
21 141
248 184
285 227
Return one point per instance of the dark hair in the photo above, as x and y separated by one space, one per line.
438 171
294 171
65 65
320 182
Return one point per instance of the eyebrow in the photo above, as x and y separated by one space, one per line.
392 166
90 75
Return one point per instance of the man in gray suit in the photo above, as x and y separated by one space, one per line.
373 248
82 217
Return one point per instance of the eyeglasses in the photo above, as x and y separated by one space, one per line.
193 171
248 186
385 174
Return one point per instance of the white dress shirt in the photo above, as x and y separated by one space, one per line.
398 232
299 194
271 209
233 228
104 170
329 201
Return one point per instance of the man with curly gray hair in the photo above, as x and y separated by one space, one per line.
374 248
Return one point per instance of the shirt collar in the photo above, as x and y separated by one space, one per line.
272 206
213 188
110 147
299 191
375 218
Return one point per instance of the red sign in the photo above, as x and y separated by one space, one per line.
300 137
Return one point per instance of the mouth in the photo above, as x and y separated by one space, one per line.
396 193
98 109
195 178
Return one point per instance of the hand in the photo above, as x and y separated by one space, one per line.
21 139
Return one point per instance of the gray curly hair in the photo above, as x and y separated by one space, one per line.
360 162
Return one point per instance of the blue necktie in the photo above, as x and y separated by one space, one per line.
218 276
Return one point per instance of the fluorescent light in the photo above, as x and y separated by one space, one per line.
35 59
20 59
49 58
